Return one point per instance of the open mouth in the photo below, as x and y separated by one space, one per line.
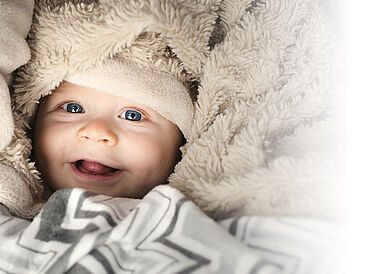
89 172
94 168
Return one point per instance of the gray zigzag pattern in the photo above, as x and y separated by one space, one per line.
174 248
165 233
52 219
75 235
12 231
163 239
48 226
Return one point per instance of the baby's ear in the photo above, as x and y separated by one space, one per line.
6 118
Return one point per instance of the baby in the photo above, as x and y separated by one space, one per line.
114 129
104 143
107 96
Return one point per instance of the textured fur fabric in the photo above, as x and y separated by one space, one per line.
262 137
19 186
263 140
15 22
166 36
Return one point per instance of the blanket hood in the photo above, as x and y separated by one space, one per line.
165 42
146 42
261 141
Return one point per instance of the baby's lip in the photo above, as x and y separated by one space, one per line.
104 163
94 168
87 178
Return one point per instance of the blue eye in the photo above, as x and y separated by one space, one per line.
132 115
73 108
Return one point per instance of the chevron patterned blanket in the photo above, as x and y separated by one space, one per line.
81 232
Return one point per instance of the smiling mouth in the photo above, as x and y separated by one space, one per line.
94 168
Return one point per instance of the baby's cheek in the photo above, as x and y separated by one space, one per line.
151 160
154 165
50 145
49 142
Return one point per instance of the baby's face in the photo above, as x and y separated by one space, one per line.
103 143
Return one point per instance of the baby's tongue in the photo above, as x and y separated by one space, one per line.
97 168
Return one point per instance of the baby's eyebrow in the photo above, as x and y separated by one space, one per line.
55 97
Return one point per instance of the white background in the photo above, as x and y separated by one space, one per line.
359 25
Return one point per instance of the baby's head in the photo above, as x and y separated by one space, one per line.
90 52
103 143
111 131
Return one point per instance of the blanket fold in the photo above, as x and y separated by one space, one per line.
79 232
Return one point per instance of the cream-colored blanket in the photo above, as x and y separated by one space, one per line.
17 185
15 21
263 141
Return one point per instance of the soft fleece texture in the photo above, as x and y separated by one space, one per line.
19 187
265 138
15 21
262 140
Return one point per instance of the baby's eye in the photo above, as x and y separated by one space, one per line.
73 108
132 115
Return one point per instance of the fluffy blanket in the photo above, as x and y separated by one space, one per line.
78 232
14 52
265 137
263 140
19 187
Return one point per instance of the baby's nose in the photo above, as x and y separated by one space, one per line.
97 131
